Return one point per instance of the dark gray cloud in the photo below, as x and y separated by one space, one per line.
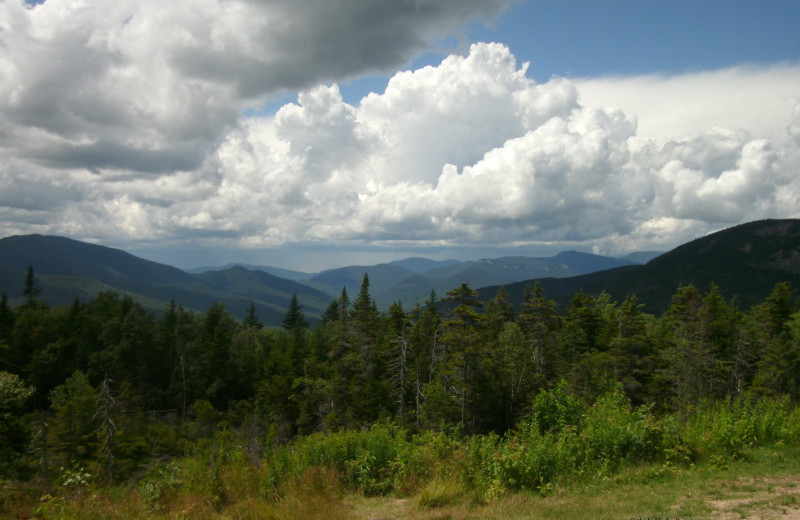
115 156
136 85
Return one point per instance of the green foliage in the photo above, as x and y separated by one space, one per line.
365 459
158 481
421 459
13 433
75 477
75 421
555 409
402 403
731 429
614 433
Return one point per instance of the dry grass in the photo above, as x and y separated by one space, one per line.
767 487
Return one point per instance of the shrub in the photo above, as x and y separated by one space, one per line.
614 433
557 408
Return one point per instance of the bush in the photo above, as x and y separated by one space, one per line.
728 429
366 459
420 460
613 433
555 409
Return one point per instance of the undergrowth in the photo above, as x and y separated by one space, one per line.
561 439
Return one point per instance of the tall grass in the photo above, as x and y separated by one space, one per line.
731 428
561 439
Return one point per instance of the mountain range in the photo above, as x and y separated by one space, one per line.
66 269
412 280
744 261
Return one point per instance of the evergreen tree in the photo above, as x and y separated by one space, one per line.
780 352
683 366
211 368
540 322
73 404
499 311
251 320
632 351
6 319
6 331
464 351
365 311
715 334
424 347
343 306
294 319
400 356
31 291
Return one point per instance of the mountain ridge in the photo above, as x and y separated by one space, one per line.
67 268
744 261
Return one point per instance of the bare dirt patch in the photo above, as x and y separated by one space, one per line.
759 499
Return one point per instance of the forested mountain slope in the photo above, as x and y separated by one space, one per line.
67 269
744 261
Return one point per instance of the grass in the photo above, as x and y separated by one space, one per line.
617 462
768 480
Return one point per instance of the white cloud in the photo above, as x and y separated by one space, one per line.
472 152
757 99
124 119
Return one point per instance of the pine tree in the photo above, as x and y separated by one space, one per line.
251 320
400 354
294 319
6 330
631 350
74 419
780 352
540 322
683 365
462 337
105 413
31 291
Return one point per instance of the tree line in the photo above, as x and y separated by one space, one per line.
110 386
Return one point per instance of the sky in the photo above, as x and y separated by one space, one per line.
309 135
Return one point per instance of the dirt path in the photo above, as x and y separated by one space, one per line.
759 499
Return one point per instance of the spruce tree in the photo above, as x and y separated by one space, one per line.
30 292
251 320
295 318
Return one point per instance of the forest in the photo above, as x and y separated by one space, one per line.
106 395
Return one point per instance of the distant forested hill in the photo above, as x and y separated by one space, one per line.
67 269
744 261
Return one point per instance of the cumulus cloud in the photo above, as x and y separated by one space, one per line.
125 120
151 86
473 152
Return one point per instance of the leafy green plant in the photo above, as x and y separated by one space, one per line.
75 477
157 481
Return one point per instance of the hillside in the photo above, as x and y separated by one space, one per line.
289 274
744 261
66 269
412 280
